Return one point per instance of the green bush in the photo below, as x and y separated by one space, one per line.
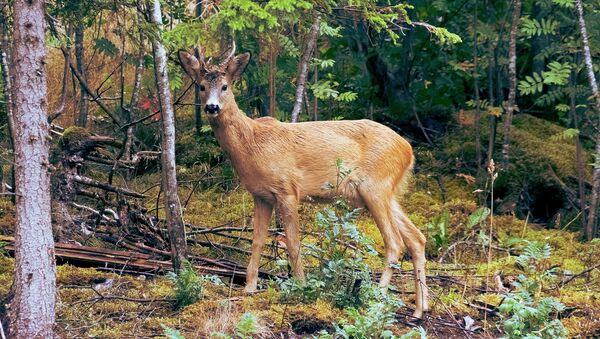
530 314
188 285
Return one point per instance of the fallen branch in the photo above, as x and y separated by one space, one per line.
95 183
566 281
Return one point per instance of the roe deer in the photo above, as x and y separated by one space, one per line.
282 163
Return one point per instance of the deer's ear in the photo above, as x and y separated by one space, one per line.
190 64
237 65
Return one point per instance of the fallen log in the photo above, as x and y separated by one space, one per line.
136 261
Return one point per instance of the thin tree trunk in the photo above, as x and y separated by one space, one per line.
476 89
169 174
8 94
311 44
32 308
135 95
512 91
492 137
578 150
197 103
592 227
82 118
272 76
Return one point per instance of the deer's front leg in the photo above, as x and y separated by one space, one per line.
262 216
288 209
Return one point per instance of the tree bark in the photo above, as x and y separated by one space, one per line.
476 90
311 44
32 308
592 227
492 137
578 149
197 101
512 91
169 179
135 96
82 118
8 94
272 76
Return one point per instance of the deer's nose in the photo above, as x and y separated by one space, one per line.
212 109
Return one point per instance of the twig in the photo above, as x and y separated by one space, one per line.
580 274
465 242
106 187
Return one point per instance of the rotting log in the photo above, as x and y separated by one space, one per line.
133 261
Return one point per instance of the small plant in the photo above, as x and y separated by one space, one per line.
373 321
438 228
171 333
531 315
188 285
244 329
341 274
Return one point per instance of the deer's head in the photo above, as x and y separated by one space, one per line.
215 79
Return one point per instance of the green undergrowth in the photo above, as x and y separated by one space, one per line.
442 199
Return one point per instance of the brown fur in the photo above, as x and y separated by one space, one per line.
282 163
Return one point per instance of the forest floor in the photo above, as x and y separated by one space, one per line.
95 303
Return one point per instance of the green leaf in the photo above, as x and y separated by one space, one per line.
477 217
567 134
171 333
347 96
106 46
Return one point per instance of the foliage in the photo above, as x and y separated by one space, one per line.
373 322
188 285
530 314
171 333
244 329
341 274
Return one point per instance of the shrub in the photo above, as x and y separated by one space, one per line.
188 285
530 314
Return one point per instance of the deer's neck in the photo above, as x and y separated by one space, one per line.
234 131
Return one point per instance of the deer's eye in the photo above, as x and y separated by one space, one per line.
202 88
224 88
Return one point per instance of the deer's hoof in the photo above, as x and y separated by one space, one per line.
250 289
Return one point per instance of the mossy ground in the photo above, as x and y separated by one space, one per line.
458 283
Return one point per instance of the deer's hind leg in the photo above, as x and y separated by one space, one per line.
415 242
380 210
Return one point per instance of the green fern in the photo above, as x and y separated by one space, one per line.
288 46
532 84
532 27
565 3
558 74
552 96
567 134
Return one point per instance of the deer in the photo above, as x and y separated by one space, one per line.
281 164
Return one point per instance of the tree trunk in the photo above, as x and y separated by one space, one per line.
578 149
492 137
82 118
311 44
135 96
476 89
169 178
197 103
272 76
512 91
592 227
8 93
32 307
